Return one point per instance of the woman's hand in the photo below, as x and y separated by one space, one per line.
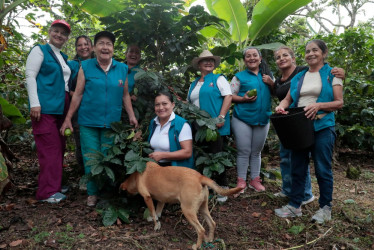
268 80
311 110
157 156
338 72
35 113
280 110
134 122
65 125
246 98
220 125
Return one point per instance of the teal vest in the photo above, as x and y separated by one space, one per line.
259 111
174 131
326 95
131 78
50 82
102 97
211 100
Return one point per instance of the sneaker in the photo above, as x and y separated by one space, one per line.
256 184
241 183
64 189
288 211
308 201
322 215
91 200
221 198
280 195
55 198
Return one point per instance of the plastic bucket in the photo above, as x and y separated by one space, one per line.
295 130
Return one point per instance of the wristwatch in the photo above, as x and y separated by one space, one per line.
221 116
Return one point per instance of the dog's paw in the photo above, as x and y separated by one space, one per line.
157 226
194 247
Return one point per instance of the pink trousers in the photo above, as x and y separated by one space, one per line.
50 146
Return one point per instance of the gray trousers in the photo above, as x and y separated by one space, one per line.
250 141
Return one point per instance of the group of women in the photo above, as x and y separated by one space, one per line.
103 85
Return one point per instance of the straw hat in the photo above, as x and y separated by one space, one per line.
206 54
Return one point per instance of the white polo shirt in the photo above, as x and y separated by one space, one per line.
160 138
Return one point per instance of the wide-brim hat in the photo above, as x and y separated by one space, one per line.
206 54
63 23
105 33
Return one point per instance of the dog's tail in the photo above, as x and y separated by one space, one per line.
222 191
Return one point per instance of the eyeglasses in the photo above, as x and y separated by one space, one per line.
207 60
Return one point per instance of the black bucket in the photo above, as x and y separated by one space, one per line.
295 130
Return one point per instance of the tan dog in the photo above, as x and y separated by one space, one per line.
173 185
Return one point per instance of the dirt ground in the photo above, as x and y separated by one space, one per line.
246 222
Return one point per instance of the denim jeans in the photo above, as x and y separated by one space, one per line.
321 152
285 166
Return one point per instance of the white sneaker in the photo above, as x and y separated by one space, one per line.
288 211
322 215
308 201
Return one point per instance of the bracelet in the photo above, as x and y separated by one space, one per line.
221 116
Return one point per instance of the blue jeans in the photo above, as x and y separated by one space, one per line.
321 152
93 139
285 166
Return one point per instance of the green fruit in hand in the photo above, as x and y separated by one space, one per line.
67 132
252 92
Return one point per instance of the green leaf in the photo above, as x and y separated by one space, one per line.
110 173
234 13
12 112
96 169
146 214
200 160
270 46
269 14
109 216
116 150
207 172
123 214
131 156
140 166
296 229
101 8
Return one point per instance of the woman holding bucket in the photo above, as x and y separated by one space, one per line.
286 62
251 90
321 93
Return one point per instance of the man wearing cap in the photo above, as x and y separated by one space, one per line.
47 77
101 91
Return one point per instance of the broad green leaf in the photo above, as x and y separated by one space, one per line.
3 169
207 172
96 169
101 8
201 160
269 14
234 13
12 112
110 173
296 229
131 156
109 216
140 166
123 214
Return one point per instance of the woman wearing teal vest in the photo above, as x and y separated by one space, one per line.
211 93
133 56
47 77
250 123
84 50
170 135
101 91
316 89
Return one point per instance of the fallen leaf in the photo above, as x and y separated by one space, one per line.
15 243
352 190
263 204
31 201
263 218
287 236
30 224
9 207
256 215
268 211
2 246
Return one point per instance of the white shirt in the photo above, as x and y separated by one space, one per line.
311 88
160 138
33 63
222 84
